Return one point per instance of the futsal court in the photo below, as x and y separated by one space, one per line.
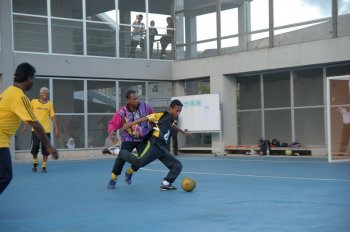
233 193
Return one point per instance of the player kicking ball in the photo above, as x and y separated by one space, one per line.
157 144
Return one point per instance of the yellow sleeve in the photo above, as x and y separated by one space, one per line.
154 117
52 112
23 109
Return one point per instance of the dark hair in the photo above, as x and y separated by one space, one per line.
23 72
174 103
129 92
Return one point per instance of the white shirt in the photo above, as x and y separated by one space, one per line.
345 114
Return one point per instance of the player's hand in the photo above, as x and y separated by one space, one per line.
57 134
126 126
113 133
53 152
188 134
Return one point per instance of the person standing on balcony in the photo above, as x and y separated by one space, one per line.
137 34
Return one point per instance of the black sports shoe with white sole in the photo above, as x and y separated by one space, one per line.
164 187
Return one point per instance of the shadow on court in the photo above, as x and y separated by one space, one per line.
232 194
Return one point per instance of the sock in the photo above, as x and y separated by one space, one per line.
35 162
43 165
114 176
165 182
130 171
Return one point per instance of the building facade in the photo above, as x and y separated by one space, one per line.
268 61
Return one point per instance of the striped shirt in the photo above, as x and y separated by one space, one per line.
14 107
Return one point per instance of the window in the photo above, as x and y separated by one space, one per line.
229 24
249 93
101 96
139 87
314 16
159 95
30 34
70 126
67 37
70 9
69 96
37 7
308 87
277 90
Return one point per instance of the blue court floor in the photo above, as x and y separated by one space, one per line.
240 194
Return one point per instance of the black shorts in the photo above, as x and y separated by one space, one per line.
34 147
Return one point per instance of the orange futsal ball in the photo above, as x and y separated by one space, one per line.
188 184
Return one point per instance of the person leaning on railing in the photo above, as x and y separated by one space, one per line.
168 38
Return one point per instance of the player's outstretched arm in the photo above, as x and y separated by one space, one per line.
130 124
186 133
40 133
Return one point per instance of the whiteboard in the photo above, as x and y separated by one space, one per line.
200 113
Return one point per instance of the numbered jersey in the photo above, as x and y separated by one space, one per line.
164 123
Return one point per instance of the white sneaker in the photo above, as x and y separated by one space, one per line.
113 150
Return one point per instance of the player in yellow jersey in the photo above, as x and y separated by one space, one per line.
43 110
14 107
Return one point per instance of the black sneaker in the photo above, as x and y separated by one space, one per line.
128 178
43 170
34 169
111 184
113 150
106 151
164 187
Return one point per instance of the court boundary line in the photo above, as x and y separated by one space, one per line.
253 176
264 159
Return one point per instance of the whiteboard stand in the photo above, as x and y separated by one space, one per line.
218 150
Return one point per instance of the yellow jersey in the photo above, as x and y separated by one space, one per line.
14 107
164 122
155 118
44 112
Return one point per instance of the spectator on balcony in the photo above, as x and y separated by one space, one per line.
168 38
137 34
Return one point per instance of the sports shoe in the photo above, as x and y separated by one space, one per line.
164 187
106 151
113 150
111 184
43 170
128 178
34 169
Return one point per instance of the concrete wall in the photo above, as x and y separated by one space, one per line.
290 56
308 53
72 66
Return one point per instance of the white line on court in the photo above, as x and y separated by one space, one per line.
265 159
254 176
